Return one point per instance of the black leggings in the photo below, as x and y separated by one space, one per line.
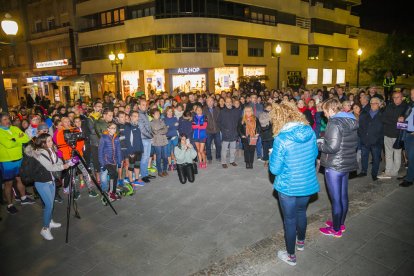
249 152
113 176
185 171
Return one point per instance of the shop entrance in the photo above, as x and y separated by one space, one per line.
189 79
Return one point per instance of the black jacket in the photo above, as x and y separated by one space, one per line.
371 130
339 146
212 126
390 118
227 122
241 129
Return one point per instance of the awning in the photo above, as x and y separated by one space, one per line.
69 81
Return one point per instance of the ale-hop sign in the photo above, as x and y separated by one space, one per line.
52 63
188 70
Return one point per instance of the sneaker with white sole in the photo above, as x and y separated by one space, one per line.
329 231
45 232
300 245
53 224
329 223
384 176
289 259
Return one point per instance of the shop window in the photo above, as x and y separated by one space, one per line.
312 76
38 26
256 48
327 76
51 23
141 44
340 76
294 49
232 47
188 42
328 54
341 55
313 52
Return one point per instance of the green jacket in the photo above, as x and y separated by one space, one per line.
100 127
11 144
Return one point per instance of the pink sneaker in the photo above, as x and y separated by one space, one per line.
329 231
329 223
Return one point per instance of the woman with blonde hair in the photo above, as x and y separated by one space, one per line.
249 130
292 161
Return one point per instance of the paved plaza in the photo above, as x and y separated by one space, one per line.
226 223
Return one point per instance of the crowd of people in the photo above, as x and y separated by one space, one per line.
129 143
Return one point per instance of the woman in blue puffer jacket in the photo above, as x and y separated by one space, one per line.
293 162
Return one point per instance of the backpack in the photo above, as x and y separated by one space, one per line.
28 169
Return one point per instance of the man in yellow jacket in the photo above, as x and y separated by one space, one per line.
11 154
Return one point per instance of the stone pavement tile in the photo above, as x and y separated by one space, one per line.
88 239
305 265
165 226
336 248
400 197
388 251
405 269
401 231
358 265
210 210
142 266
167 251
364 227
222 223
389 212
237 208
190 227
109 269
66 270
183 264
84 261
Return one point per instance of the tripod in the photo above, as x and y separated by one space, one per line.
71 186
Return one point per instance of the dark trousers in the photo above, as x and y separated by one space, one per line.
294 219
113 176
337 184
249 152
267 145
409 148
185 172
217 142
376 158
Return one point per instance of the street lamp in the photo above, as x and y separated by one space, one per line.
117 60
278 51
359 53
10 28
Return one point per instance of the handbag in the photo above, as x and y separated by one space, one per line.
195 168
399 142
252 141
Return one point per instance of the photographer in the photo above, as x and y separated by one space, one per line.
44 151
66 153
185 153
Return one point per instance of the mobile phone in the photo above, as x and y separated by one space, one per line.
187 141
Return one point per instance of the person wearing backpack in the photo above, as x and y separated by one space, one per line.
44 151
11 155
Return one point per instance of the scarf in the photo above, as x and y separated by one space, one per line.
95 115
251 126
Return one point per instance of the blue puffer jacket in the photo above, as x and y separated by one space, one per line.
109 150
293 160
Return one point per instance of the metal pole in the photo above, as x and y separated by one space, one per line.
359 58
278 71
118 92
3 96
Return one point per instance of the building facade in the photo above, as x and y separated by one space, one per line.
209 44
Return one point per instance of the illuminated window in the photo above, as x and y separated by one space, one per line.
327 76
312 76
340 76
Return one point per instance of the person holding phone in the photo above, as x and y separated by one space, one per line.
185 153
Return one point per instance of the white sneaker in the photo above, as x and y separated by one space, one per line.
284 256
53 224
46 234
384 176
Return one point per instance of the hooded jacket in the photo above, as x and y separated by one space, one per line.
133 139
49 163
293 160
144 125
109 150
91 120
340 143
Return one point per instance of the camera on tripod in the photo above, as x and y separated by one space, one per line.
72 136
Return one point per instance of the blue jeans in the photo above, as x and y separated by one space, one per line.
294 219
337 184
259 149
46 191
409 148
376 158
162 158
145 157
172 143
217 142
267 145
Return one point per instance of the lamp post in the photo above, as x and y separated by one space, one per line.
10 28
278 51
117 60
359 53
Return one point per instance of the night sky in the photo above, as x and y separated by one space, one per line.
386 15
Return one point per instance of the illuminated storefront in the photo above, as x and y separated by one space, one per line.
109 84
130 83
254 71
154 81
75 88
189 79
44 86
226 78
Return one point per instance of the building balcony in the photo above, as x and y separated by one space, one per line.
339 16
84 8
151 60
49 34
336 40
